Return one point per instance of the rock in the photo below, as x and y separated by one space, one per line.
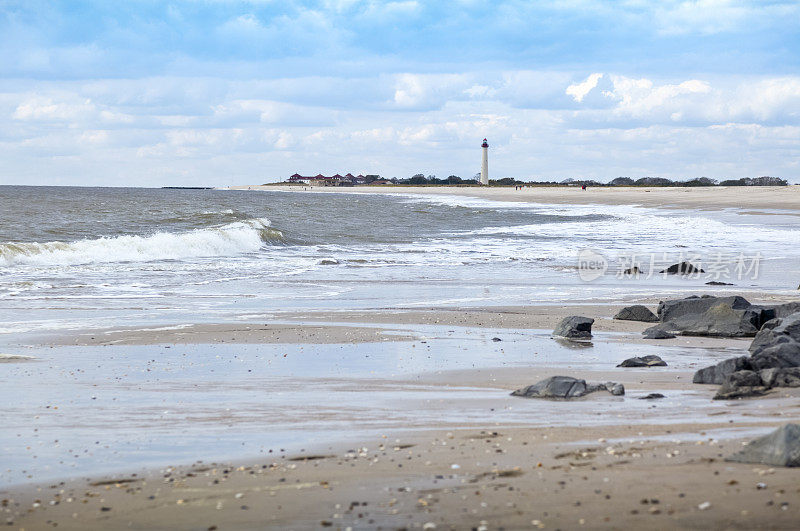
718 283
672 309
616 389
785 377
718 321
779 448
774 362
684 268
328 261
496 339
716 374
652 396
645 361
635 271
654 332
637 312
778 330
741 384
566 387
746 383
779 310
574 327
783 354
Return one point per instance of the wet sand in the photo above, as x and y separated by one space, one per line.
659 465
623 475
348 326
750 199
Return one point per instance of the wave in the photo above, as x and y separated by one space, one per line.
234 238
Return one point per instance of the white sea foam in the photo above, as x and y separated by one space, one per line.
234 238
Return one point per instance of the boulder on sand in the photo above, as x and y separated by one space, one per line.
718 321
566 387
741 384
716 374
684 268
644 361
637 312
779 448
672 309
746 383
654 332
710 316
574 327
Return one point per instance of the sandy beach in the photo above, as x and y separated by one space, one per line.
622 474
746 199
464 456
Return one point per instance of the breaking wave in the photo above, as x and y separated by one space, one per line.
235 238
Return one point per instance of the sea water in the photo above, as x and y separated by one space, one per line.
77 258
73 258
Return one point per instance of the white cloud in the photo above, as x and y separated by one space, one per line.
578 91
185 131
641 97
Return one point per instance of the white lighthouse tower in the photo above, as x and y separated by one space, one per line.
485 163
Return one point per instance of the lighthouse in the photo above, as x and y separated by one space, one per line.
485 163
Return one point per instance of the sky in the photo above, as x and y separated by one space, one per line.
227 92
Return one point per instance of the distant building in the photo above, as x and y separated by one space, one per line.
324 180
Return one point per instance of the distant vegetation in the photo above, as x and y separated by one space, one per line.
421 180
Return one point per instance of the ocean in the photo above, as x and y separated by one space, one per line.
77 258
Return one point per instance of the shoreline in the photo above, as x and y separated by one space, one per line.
601 477
573 469
374 326
747 199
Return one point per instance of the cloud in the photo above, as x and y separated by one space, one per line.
578 91
246 91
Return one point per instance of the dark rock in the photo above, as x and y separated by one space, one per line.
779 310
779 448
635 271
684 268
778 330
784 377
566 387
716 374
718 321
672 309
741 384
636 312
574 327
495 339
718 283
644 361
652 396
654 332
751 383
783 354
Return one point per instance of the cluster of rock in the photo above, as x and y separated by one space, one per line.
774 361
566 387
732 316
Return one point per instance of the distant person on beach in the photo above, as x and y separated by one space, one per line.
583 187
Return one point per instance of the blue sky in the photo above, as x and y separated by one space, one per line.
150 93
